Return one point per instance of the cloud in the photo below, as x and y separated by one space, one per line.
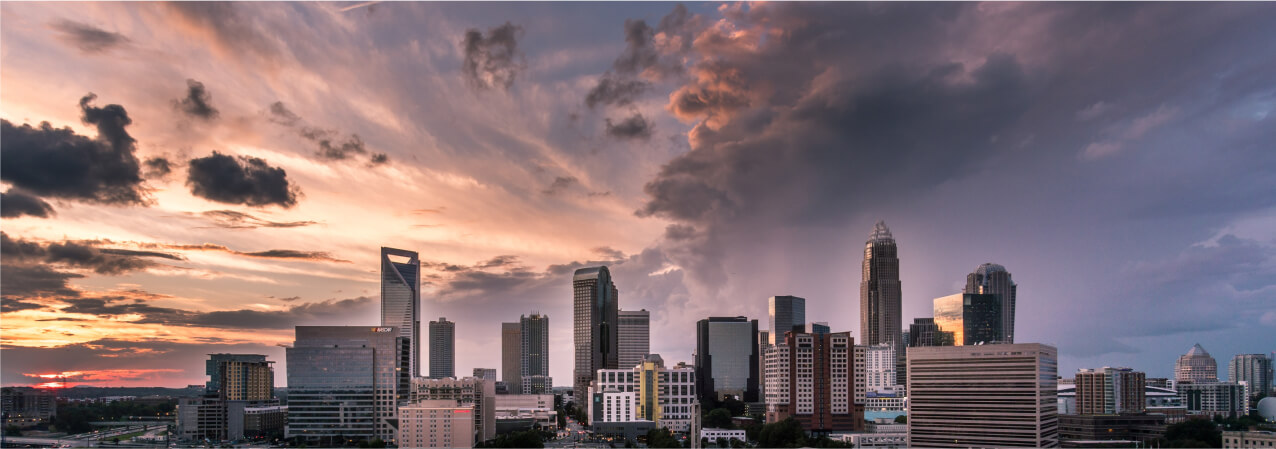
88 38
332 146
57 163
285 254
561 184
123 304
1135 130
238 220
240 180
632 127
608 252
614 90
494 60
15 203
157 167
197 103
653 54
226 30
1093 111
79 254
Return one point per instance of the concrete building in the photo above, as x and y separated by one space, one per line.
972 318
239 377
647 392
594 326
442 349
810 378
512 357
876 440
477 394
726 358
238 401
401 302
784 312
880 294
1248 439
517 412
26 407
879 369
1225 399
1254 370
859 378
1196 366
886 401
534 355
436 423
486 374
818 327
993 279
1110 391
1014 385
635 337
1083 430
343 383
1157 400
713 434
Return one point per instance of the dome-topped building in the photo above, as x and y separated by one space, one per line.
1196 366
991 278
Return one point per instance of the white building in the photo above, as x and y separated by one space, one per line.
1226 399
713 434
879 368
651 391
436 423
882 440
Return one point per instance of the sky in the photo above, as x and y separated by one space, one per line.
181 179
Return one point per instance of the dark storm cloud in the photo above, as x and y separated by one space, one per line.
560 184
613 90
14 305
15 203
642 59
240 180
332 146
80 254
157 167
238 220
494 60
57 163
88 38
632 127
197 103
25 280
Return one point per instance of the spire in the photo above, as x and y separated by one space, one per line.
880 232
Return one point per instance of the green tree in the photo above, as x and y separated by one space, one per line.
527 438
786 433
722 442
901 419
734 406
752 430
661 437
719 418
13 431
1194 433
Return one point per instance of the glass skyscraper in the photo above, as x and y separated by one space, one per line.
991 278
880 296
512 357
442 349
401 301
972 318
726 358
785 312
635 337
343 383
595 315
534 355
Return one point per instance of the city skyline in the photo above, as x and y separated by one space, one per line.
247 174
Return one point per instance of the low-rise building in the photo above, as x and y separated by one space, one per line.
647 392
713 434
436 423
26 407
1248 439
516 412
877 440
1127 427
474 392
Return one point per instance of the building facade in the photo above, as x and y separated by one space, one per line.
26 407
784 312
1014 384
810 378
656 393
1075 429
343 383
634 336
1196 366
1246 439
240 387
486 374
595 333
993 279
512 357
401 301
534 355
442 349
1110 391
971 318
477 394
726 358
924 332
440 423
879 369
1222 399
1253 369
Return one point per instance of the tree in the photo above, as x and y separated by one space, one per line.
722 442
1194 433
901 419
630 443
526 438
786 433
661 437
13 431
735 407
719 418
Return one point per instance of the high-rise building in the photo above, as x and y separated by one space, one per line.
442 349
239 386
785 312
486 374
401 301
972 318
649 391
993 279
1253 369
239 377
595 316
1210 399
880 294
983 396
809 377
1196 366
464 392
924 332
534 355
1110 391
436 423
879 369
634 336
818 327
512 357
726 358
25 406
343 383
764 341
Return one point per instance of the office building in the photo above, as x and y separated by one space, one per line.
1159 401
859 377
649 391
343 383
1210 399
972 318
436 423
1254 370
784 312
924 332
1248 439
1196 366
1085 430
713 435
1014 385
486 374
809 378
880 295
518 412
442 349
993 279
1110 391
818 327
635 337
534 355
478 394
512 357
239 377
238 401
26 407
726 359
401 302
595 313
1160 382
879 369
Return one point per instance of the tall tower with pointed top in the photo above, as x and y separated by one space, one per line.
401 301
880 296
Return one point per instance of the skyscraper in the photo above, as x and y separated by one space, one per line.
401 301
595 313
512 357
343 383
634 337
972 318
785 312
810 378
239 377
534 355
1110 391
442 349
1253 369
924 332
1196 366
880 294
727 358
991 278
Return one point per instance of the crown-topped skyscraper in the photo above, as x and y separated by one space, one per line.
880 296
